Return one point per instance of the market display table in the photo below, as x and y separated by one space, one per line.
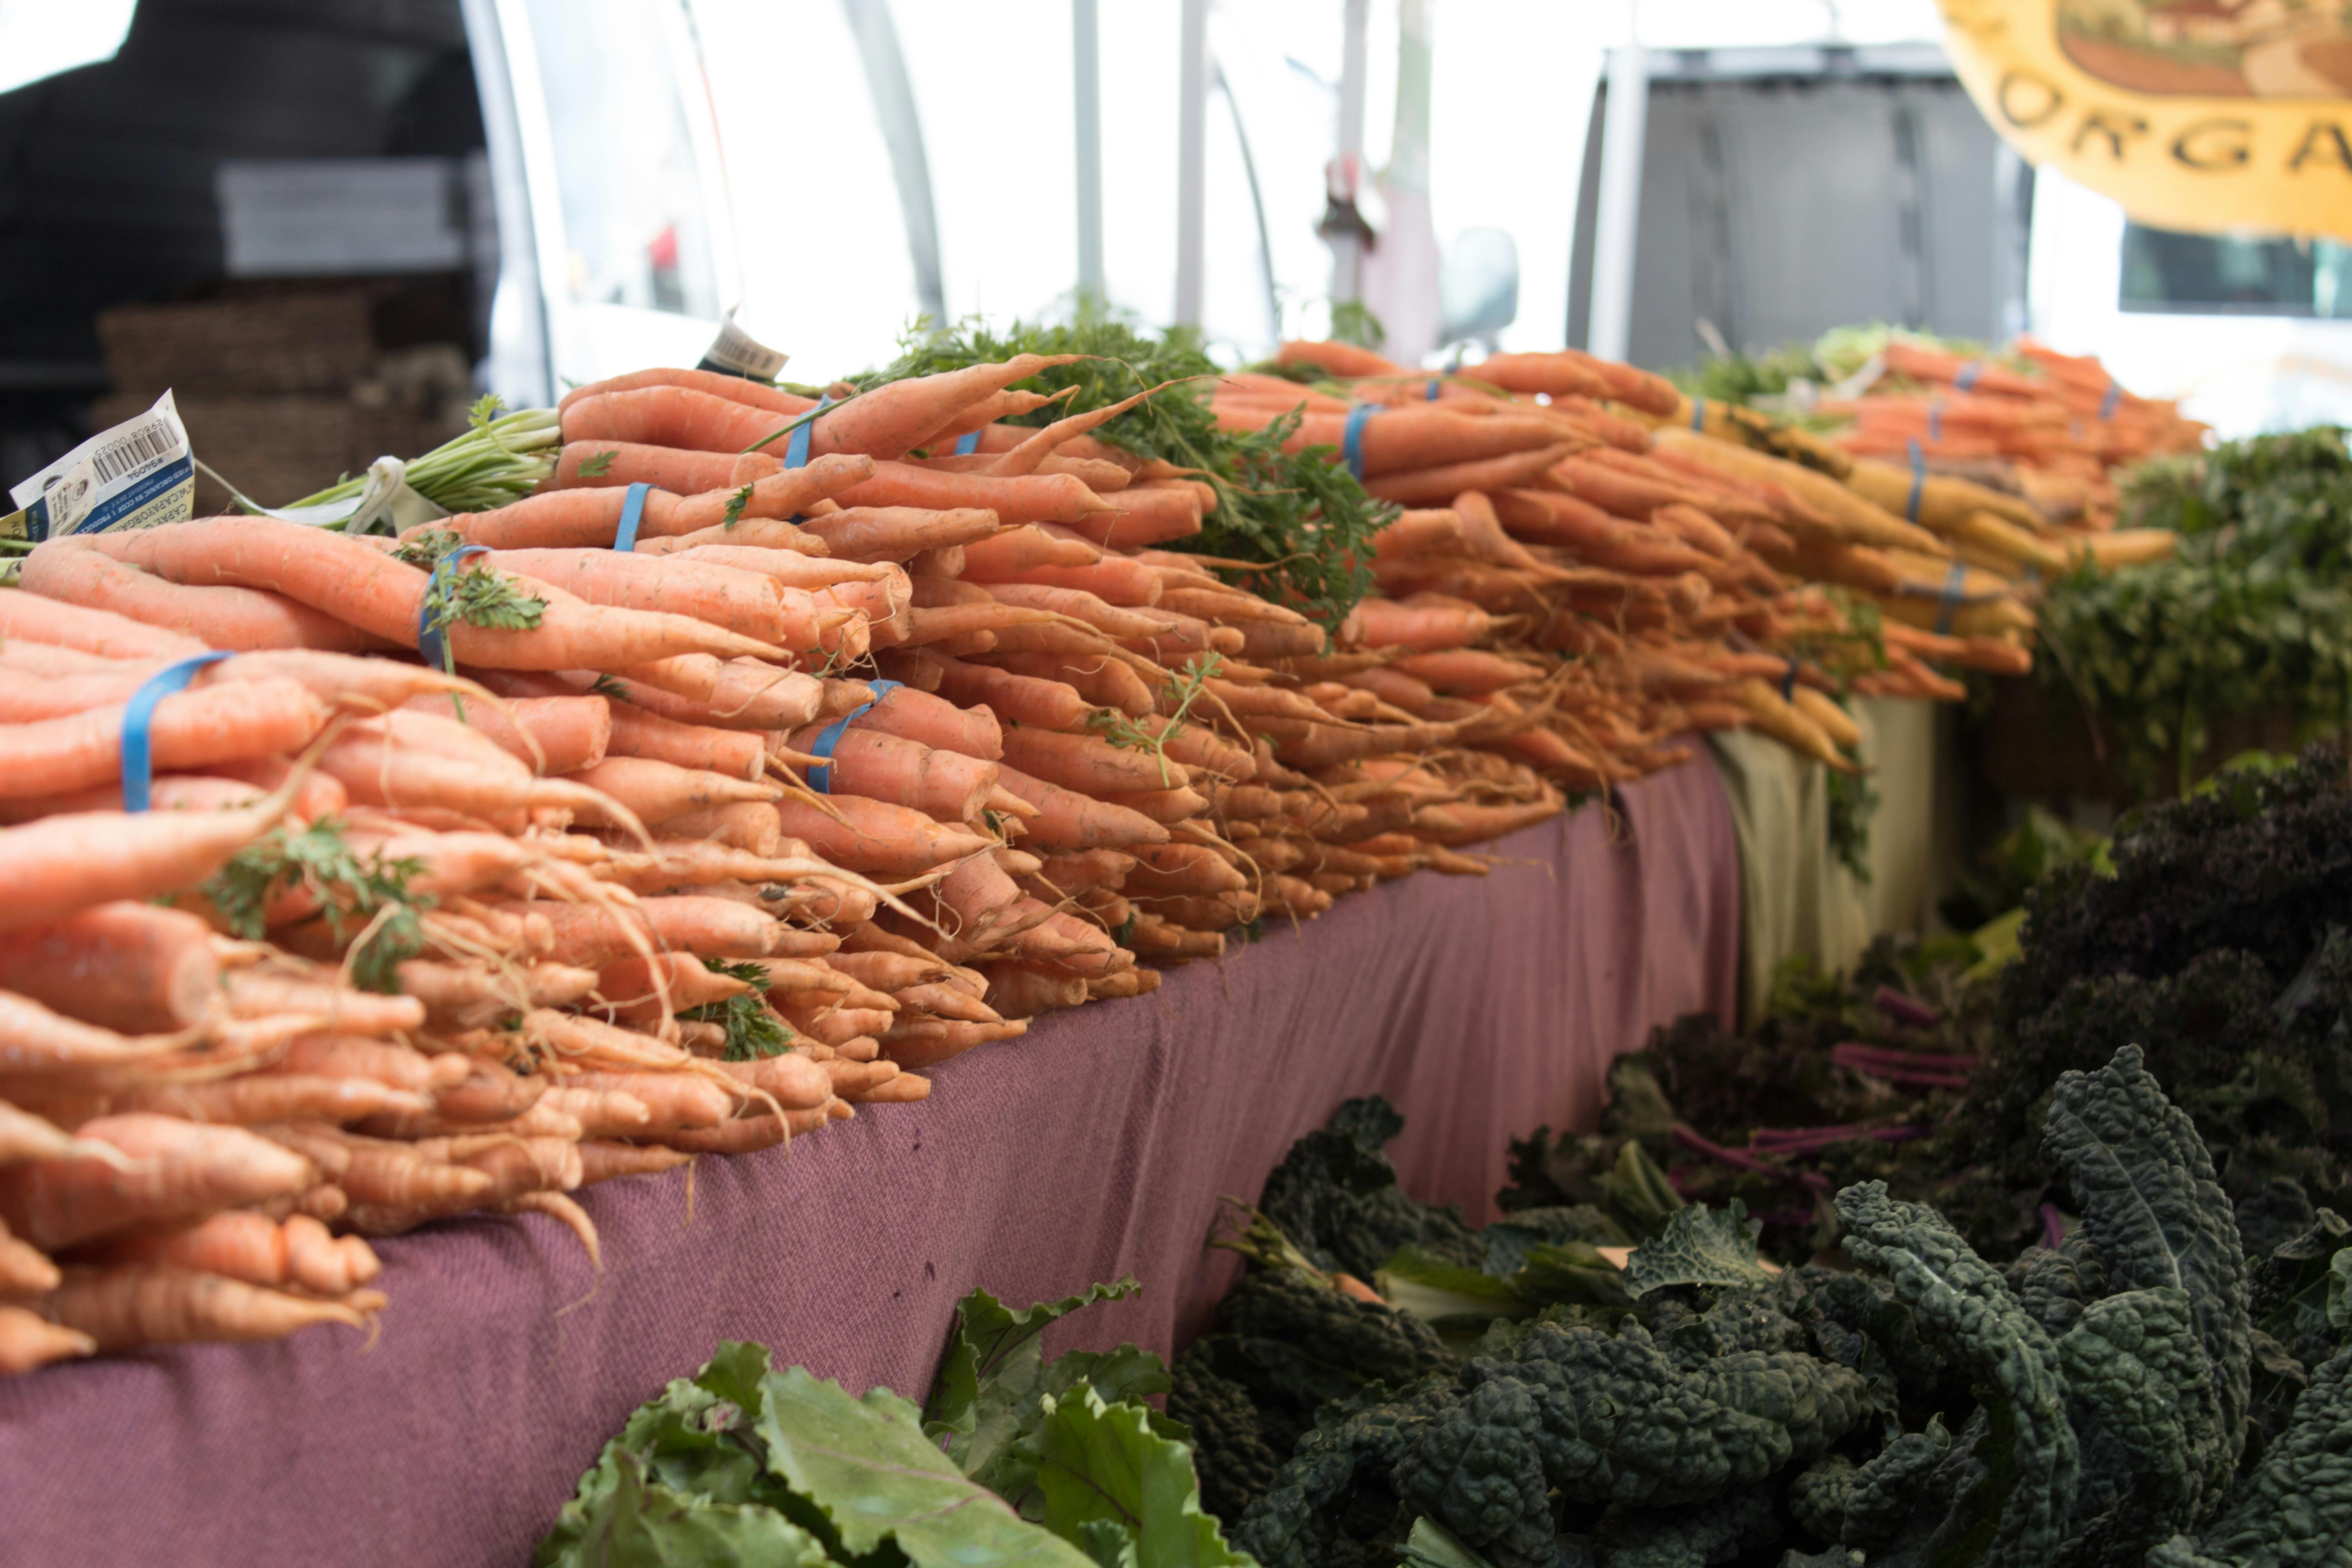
1097 1146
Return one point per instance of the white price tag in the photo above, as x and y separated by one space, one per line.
137 475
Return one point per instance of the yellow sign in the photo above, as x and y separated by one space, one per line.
2202 115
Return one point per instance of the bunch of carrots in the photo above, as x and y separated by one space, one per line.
2043 428
781 748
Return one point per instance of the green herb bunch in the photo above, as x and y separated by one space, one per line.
369 898
752 1030
2251 615
1303 518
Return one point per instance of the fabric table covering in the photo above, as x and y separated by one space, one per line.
1095 1146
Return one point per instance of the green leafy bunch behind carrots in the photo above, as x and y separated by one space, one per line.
367 899
1302 520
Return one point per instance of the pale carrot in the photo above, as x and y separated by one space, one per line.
737 753
124 1305
1141 516
666 414
792 568
241 1245
1426 622
718 384
1114 579
602 1159
742 601
950 1038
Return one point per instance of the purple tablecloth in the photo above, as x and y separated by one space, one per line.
1095 1147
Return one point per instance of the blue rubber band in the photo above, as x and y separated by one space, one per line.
796 450
1936 419
633 512
428 636
1698 415
1918 483
967 443
1431 397
138 718
1352 444
1788 682
1969 372
819 772
1955 581
2113 400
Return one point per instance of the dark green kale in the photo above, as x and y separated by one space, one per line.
1336 1195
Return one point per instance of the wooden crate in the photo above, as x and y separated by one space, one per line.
2037 744
317 340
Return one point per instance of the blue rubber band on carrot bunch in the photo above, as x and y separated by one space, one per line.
633 512
1918 483
435 652
1351 444
138 725
1954 582
820 772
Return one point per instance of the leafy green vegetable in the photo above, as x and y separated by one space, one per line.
1697 1247
2251 615
1110 1482
597 464
735 505
1852 805
370 898
871 1475
500 459
482 597
1303 522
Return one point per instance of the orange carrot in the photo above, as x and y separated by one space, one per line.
242 1244
1030 497
1025 549
1425 622
737 753
1142 516
552 734
718 384
1439 486
900 533
34 618
127 967
602 1159
1068 820
1183 869
370 589
657 791
1339 359
177 1170
919 716
876 836
70 572
750 826
1083 762
594 936
124 1306
27 1341
666 415
1021 696
890 419
685 473
950 1038
945 785
792 568
743 602
1114 579
592 517
190 729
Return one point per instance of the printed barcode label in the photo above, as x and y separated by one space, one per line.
132 451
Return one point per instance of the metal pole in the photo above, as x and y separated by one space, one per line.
1085 75
1191 159
1346 174
1619 214
902 134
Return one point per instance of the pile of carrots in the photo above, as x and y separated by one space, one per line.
779 748
2047 429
